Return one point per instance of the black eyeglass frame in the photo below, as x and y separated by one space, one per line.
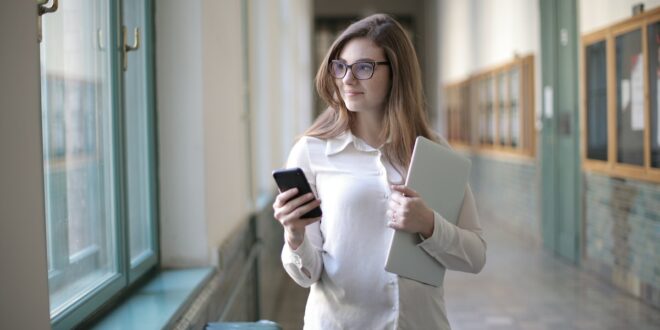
350 66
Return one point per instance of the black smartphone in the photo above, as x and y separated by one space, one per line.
295 178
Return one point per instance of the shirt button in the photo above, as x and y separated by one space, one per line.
296 260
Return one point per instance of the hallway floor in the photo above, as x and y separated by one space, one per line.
521 287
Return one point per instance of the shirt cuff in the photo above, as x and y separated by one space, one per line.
301 257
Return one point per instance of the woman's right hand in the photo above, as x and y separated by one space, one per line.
288 211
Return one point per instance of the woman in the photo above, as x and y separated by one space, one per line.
355 157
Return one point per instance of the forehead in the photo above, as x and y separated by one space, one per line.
361 49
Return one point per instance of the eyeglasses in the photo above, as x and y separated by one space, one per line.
360 70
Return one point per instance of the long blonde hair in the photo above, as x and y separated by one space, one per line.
404 118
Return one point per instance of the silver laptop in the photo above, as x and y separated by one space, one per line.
440 176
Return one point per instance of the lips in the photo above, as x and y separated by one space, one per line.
352 93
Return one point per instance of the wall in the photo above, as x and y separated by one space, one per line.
280 84
622 236
507 191
478 35
621 216
226 167
179 86
597 14
23 279
202 148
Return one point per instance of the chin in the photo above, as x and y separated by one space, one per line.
352 107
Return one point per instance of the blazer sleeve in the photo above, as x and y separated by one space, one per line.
461 246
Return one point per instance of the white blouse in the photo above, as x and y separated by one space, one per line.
345 252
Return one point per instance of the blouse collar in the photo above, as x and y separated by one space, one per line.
340 142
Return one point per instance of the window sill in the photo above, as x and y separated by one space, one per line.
160 302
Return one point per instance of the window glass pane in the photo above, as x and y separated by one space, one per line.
630 98
450 113
596 65
503 112
483 111
514 89
455 108
137 109
465 111
654 91
490 111
76 88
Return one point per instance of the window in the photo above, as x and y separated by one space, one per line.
489 109
498 105
503 109
620 110
98 140
458 119
514 106
653 39
629 89
596 75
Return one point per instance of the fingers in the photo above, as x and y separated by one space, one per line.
283 197
395 225
396 199
294 210
291 205
299 211
407 192
394 221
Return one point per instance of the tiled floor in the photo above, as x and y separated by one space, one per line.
521 287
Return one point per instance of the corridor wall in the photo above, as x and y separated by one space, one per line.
476 36
621 214
24 279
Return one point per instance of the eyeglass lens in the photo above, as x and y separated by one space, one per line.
360 70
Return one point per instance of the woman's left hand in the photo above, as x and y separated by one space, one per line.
408 212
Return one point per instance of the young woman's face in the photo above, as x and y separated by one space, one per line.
368 95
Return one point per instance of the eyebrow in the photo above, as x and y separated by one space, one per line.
364 59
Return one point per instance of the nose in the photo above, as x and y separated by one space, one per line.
348 78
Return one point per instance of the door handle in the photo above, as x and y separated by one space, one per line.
565 127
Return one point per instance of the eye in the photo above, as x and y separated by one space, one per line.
338 68
364 68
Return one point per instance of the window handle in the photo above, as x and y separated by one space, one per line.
99 39
42 10
45 10
129 48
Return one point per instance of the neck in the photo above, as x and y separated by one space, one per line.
368 127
